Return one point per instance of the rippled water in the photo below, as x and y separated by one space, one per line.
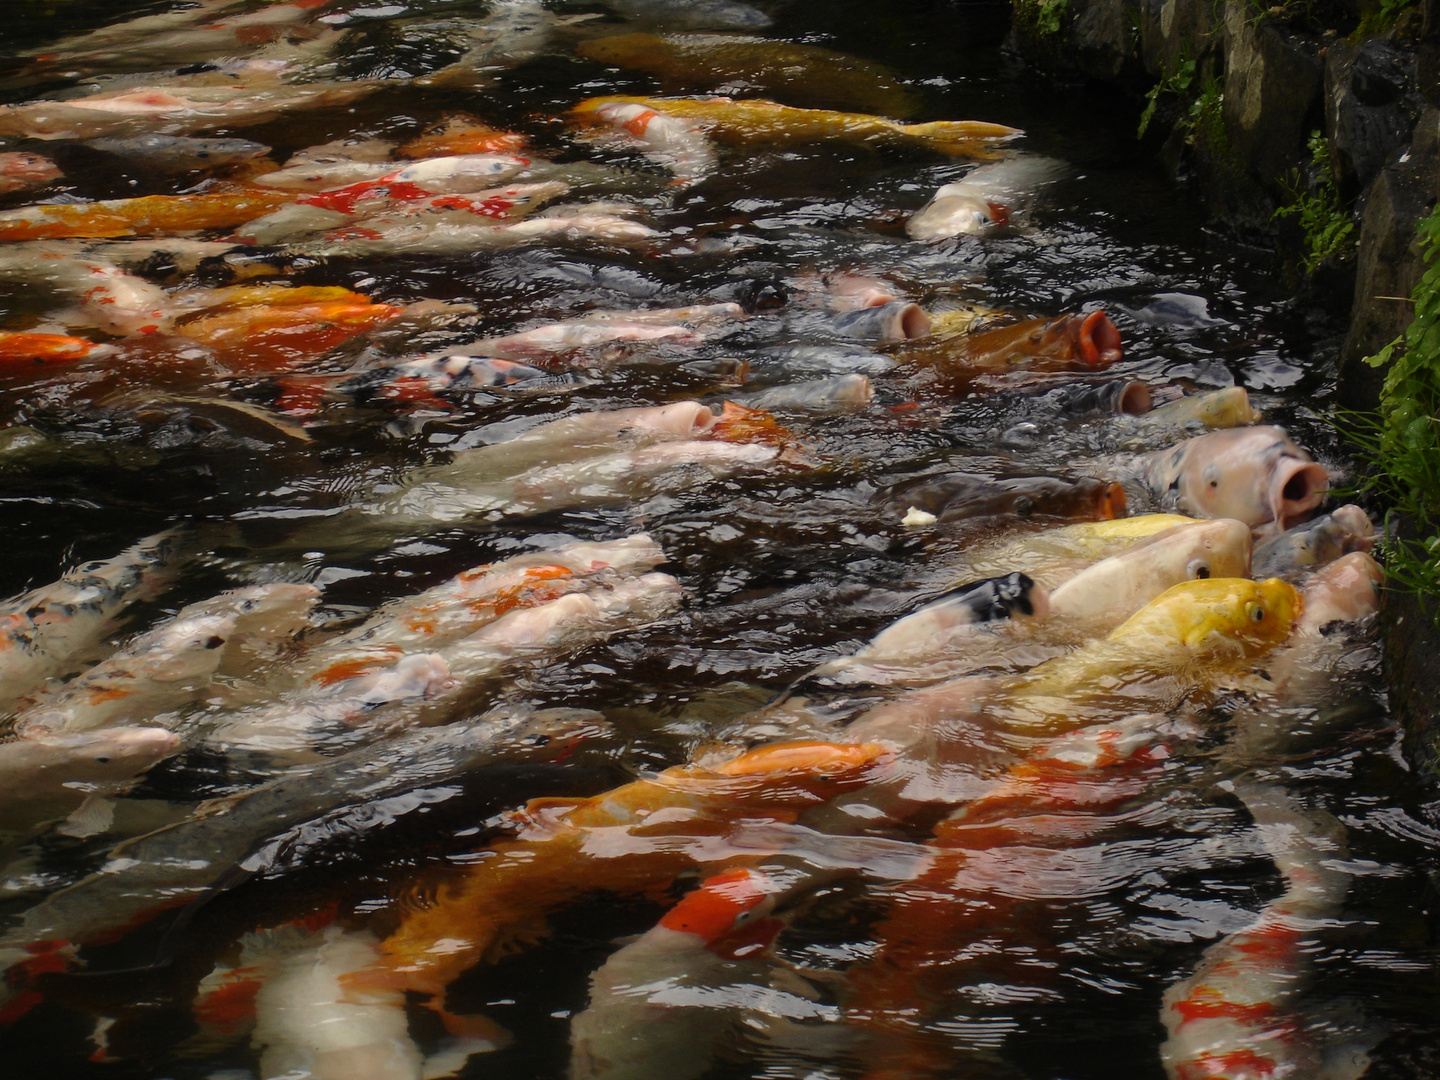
1060 949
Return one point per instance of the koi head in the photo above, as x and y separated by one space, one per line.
1216 617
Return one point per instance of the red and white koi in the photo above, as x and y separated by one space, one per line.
24 172
661 1005
986 198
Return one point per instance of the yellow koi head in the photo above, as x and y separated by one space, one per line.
1215 616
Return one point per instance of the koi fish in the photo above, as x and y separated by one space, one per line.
1234 1016
24 172
184 37
987 197
438 234
1068 782
964 496
1256 475
461 134
178 863
755 120
376 689
1120 584
692 14
615 454
648 1012
1117 397
170 110
473 599
180 153
423 379
1225 408
1316 543
73 776
1070 342
381 210
53 629
629 840
804 74
20 352
167 667
454 175
897 320
572 336
513 32
107 297
843 393
149 214
672 143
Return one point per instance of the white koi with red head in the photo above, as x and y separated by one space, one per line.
1254 474
658 1006
678 145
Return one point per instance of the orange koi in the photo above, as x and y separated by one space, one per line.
253 337
1067 343
461 134
634 840
18 350
147 215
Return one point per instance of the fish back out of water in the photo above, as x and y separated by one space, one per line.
960 496
1227 408
805 74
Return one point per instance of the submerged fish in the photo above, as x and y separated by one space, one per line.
1255 474
692 14
21 352
663 1002
842 393
72 775
513 32
804 74
180 862
169 666
961 496
673 143
461 134
180 153
752 120
50 631
1316 543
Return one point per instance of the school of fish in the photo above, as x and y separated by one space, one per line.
515 395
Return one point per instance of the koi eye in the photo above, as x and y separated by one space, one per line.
214 642
102 761
1257 613
1198 570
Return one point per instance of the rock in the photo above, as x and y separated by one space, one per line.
1104 38
1273 81
1389 263
1173 31
1370 110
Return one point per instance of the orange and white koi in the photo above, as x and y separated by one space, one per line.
146 215
659 1006
461 134
756 120
473 599
169 666
23 352
54 629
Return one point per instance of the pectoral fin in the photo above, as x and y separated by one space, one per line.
93 817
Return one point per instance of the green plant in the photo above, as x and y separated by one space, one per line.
1176 83
1042 16
1404 436
1325 222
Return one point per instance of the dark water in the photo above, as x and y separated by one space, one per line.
1059 972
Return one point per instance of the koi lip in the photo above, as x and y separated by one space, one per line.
1299 487
1098 340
